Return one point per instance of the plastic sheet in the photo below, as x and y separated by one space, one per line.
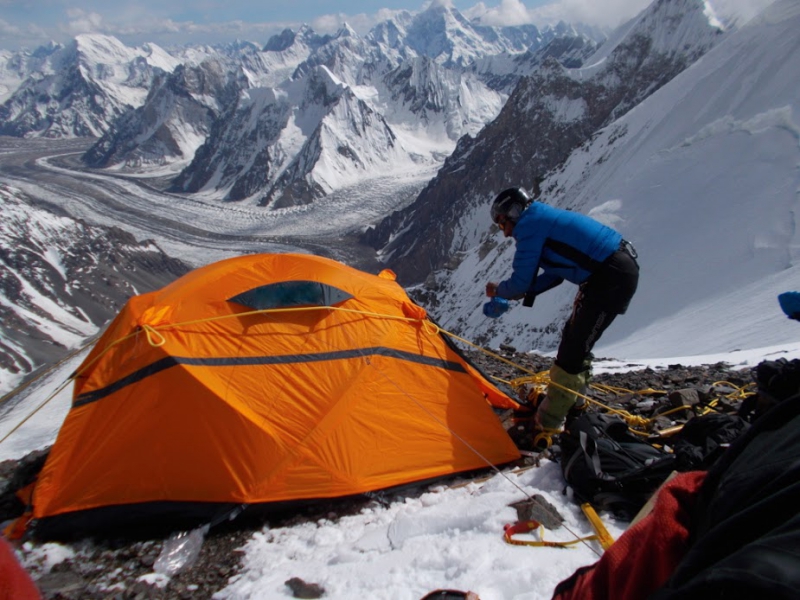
180 551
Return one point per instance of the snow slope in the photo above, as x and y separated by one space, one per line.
703 178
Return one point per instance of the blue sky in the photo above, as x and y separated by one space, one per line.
27 23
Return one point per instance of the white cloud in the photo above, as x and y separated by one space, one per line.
332 23
361 22
442 3
15 33
736 11
9 29
508 12
145 25
81 21
608 13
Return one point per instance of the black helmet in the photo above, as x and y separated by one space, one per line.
510 203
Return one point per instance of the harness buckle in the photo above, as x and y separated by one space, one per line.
627 247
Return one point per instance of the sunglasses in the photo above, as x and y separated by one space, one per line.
451 595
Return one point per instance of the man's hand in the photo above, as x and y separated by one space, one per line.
491 289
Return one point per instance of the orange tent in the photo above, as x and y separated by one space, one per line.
262 379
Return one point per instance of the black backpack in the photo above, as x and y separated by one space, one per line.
777 381
610 467
705 438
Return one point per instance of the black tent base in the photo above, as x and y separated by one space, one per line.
152 520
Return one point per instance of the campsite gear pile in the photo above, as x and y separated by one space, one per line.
626 441
732 531
219 560
613 469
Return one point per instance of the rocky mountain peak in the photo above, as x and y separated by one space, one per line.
62 279
177 116
79 89
549 114
281 41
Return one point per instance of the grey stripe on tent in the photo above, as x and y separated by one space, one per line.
172 361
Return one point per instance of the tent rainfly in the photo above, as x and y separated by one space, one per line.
266 378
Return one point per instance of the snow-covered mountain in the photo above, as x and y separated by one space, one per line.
270 146
61 279
174 120
17 66
290 145
443 34
181 107
396 99
702 177
79 89
548 115
590 137
426 78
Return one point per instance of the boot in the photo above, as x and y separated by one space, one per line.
561 396
543 438
522 419
576 411
580 403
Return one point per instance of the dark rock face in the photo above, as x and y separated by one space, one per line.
176 104
243 167
99 268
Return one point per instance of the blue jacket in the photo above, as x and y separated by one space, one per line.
564 244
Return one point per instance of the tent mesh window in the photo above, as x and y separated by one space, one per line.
291 293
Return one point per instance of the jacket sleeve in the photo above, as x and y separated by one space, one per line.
530 235
521 277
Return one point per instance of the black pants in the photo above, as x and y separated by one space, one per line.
602 297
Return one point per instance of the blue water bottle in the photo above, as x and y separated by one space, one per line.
495 307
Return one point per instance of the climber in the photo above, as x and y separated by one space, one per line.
570 246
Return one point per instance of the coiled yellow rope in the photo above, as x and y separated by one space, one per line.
638 424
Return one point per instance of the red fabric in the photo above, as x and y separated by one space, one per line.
15 583
644 557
